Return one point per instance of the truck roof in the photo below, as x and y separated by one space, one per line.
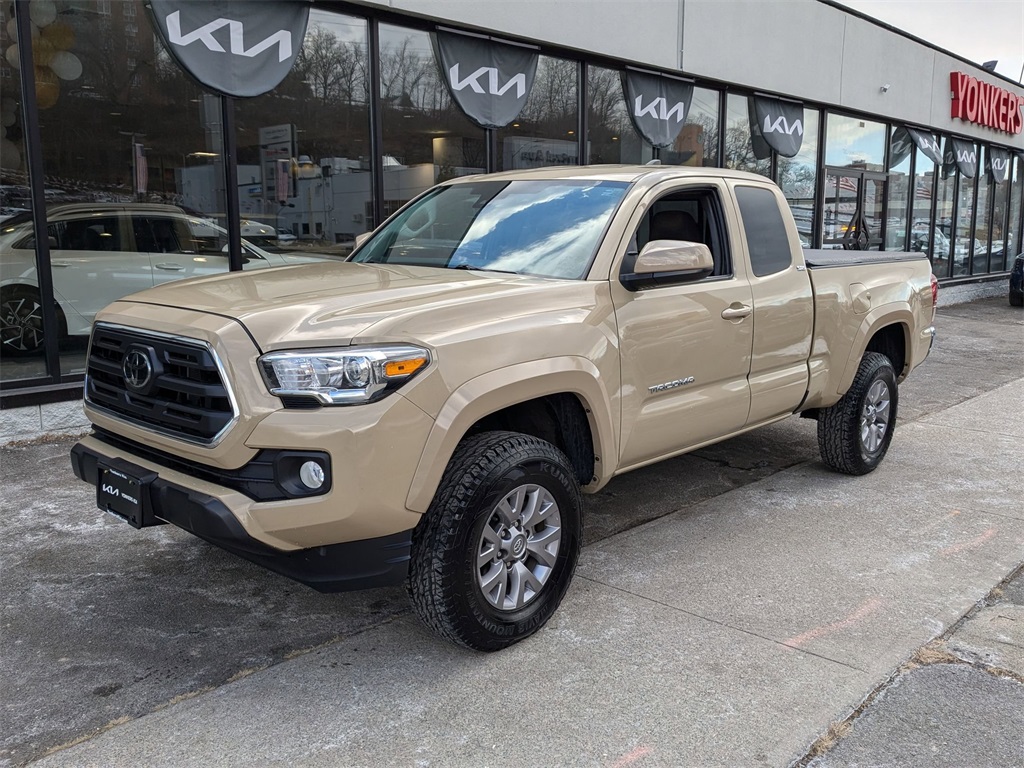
626 173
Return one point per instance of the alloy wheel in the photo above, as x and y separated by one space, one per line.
518 547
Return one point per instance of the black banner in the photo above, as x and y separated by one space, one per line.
779 124
960 154
997 162
490 81
927 143
235 47
657 105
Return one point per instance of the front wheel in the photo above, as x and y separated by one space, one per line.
854 434
496 551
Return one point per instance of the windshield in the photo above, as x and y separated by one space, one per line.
549 228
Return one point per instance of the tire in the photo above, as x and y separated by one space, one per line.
1017 299
21 321
854 434
476 577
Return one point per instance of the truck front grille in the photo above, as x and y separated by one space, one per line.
164 383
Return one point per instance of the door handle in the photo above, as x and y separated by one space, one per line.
60 263
169 266
736 313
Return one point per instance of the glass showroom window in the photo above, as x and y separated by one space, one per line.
304 148
132 153
611 137
1000 209
798 177
921 208
899 192
854 143
1013 232
427 138
963 240
981 247
945 200
545 131
697 143
739 150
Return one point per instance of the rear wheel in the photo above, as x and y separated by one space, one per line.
854 434
1017 299
21 321
496 551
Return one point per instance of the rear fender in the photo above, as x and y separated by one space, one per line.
493 391
874 321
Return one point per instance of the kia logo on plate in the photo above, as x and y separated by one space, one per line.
137 369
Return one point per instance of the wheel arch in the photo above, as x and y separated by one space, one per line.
885 330
560 398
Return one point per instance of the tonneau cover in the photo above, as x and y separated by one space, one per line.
840 258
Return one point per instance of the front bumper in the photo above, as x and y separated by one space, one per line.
374 562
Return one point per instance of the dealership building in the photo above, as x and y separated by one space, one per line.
138 168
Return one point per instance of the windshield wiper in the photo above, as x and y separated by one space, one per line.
484 269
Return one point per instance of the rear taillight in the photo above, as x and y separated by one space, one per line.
935 295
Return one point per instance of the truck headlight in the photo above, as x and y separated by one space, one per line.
345 376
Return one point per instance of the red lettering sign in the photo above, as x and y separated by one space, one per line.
985 104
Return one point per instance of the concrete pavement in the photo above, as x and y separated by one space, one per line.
730 633
734 630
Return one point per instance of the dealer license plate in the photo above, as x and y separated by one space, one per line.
121 494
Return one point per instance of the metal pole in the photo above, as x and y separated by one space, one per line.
376 129
228 145
30 118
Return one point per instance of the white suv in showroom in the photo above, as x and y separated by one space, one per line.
100 252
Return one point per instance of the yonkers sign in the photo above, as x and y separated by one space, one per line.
235 47
489 81
985 104
657 105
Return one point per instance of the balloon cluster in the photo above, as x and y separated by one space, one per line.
54 61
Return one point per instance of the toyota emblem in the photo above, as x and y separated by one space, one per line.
137 369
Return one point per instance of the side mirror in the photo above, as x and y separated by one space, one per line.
669 262
362 237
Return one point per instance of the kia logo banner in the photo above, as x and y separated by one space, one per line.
779 123
997 162
905 139
489 81
960 154
927 143
236 47
657 105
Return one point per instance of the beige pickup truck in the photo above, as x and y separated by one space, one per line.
430 410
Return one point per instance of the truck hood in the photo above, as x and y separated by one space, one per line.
340 303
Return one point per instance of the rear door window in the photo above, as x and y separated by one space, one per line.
765 230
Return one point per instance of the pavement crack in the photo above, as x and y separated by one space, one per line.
722 624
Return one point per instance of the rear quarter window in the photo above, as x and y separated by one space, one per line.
765 230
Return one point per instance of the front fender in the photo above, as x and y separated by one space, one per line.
498 389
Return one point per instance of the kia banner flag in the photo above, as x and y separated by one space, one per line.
657 105
235 47
997 163
960 154
490 81
927 143
780 124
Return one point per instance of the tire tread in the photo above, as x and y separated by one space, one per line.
432 591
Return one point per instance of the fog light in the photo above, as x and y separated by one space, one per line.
311 474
